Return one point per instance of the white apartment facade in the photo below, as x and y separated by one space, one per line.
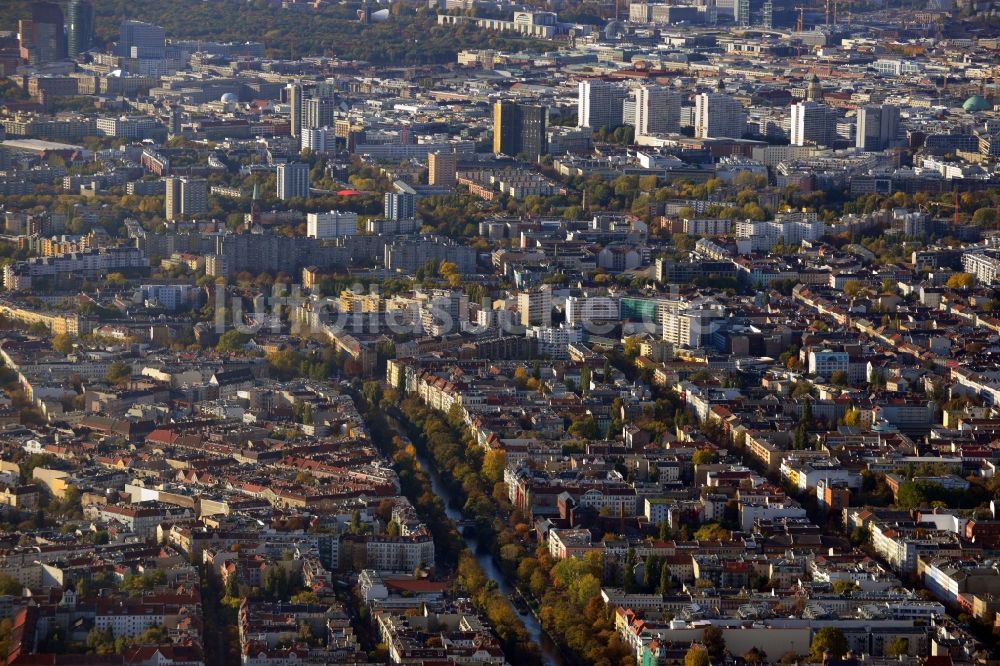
332 224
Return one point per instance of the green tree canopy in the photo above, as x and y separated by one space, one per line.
10 585
585 427
232 341
118 372
828 639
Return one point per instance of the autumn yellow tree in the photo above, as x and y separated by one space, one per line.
852 417
449 271
961 281
712 532
853 288
697 656
62 343
494 463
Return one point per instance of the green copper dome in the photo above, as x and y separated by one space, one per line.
976 103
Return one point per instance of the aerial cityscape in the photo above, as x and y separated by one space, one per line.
491 333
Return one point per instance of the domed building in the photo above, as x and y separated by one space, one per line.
613 30
976 103
229 98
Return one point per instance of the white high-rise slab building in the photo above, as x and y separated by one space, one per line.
599 104
812 123
293 181
657 111
332 224
318 140
718 115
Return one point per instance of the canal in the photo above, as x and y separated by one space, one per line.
548 649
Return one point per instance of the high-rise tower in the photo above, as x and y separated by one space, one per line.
43 36
80 27
295 113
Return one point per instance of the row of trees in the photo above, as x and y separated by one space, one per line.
497 608
413 479
458 459
567 592
101 641
433 434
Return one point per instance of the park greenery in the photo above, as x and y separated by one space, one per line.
408 37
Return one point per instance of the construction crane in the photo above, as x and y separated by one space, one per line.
800 23
955 218
831 12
